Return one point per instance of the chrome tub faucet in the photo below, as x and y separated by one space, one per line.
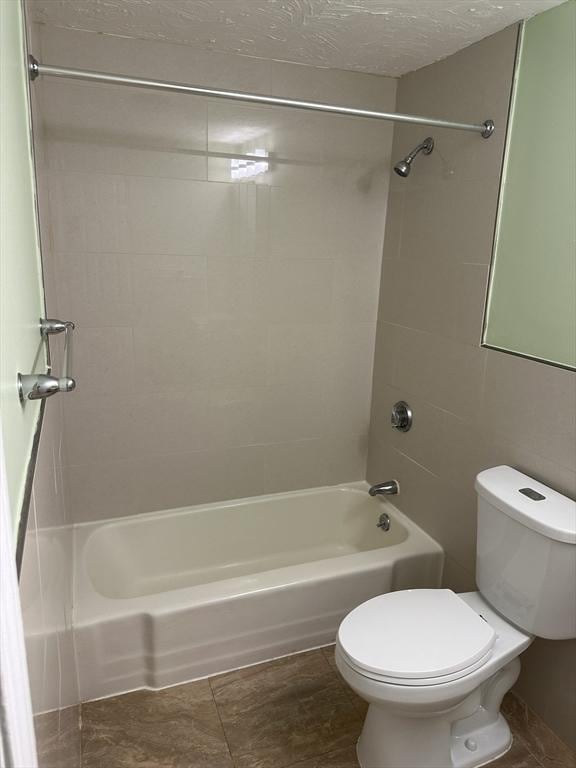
387 488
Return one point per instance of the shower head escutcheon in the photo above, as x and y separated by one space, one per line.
403 167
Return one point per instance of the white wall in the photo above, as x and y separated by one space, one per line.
21 293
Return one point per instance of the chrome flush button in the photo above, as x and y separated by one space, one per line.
532 494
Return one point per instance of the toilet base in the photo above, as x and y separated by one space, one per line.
468 735
432 744
491 742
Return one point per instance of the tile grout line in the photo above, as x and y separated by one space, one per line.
315 758
350 695
334 679
518 736
232 760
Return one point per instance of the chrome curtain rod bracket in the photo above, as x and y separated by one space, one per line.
485 129
33 67
489 129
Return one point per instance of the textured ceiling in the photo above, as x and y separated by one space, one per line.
387 37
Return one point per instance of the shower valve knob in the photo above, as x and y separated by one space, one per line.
401 417
38 386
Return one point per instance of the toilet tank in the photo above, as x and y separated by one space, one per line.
526 552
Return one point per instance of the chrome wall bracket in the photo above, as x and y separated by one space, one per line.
489 128
33 67
36 386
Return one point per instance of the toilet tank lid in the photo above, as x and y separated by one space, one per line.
529 502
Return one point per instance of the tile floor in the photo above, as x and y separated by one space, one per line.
295 712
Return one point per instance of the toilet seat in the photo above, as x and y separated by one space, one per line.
416 637
422 682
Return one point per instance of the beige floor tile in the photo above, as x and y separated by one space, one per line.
286 711
47 742
550 751
519 756
328 652
341 758
58 738
294 712
174 728
360 704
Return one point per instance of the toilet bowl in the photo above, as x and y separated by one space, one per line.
434 665
454 689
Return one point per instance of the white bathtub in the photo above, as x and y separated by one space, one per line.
171 596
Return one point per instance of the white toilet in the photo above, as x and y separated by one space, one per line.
435 665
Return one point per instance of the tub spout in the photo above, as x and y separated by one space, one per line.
387 488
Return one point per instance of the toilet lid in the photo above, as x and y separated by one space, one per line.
417 633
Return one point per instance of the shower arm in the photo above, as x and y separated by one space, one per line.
426 146
35 68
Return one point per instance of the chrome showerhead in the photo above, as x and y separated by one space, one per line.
403 167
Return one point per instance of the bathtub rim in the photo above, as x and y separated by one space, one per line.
91 607
358 486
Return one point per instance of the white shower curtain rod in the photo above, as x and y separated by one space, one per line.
485 129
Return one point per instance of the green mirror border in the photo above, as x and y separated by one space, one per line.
484 343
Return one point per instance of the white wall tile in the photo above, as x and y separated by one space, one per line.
445 372
222 326
303 224
159 159
89 212
97 291
179 216
292 412
237 354
442 298
166 289
356 290
431 212
298 289
171 358
170 422
100 490
541 413
103 359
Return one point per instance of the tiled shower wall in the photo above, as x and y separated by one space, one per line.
225 329
473 408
